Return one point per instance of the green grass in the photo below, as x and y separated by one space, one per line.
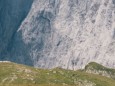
12 74
95 66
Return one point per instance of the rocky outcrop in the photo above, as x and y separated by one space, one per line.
95 68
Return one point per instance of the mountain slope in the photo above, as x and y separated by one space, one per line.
58 33
68 34
12 74
12 13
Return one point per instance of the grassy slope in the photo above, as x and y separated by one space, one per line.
97 67
12 74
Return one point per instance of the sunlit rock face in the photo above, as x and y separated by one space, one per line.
65 33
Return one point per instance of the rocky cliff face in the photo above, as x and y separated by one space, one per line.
62 33
12 13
